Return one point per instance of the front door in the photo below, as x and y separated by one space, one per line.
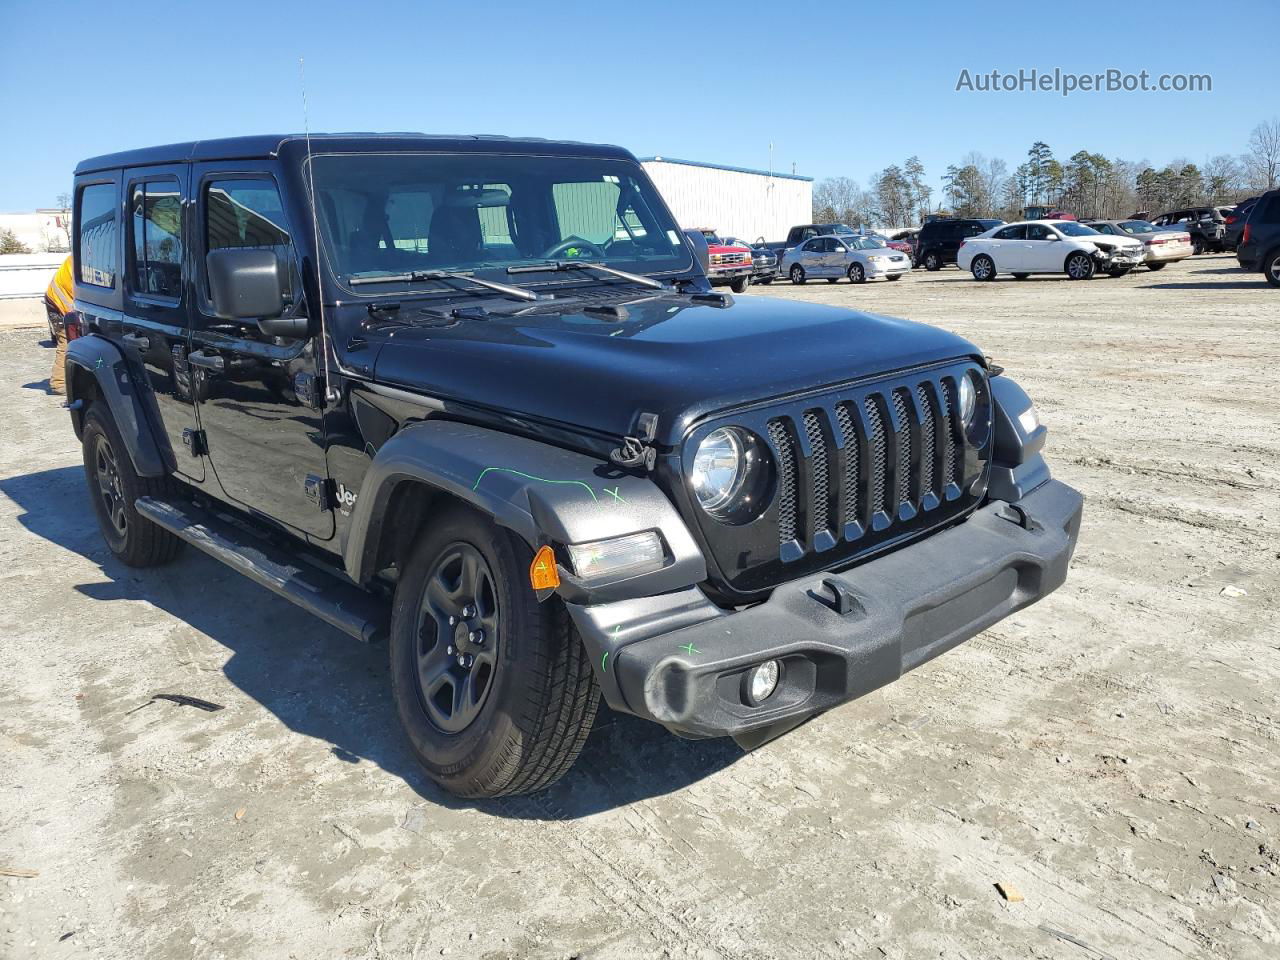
154 323
1044 252
263 433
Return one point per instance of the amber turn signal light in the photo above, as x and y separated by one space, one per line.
543 574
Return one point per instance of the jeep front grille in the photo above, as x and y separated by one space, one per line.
857 469
848 467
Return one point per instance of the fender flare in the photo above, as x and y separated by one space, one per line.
96 359
1018 466
544 494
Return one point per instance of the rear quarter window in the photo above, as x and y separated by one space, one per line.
98 234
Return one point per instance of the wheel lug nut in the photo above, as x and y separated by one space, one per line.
476 636
468 611
453 621
449 651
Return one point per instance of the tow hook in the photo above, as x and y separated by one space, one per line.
1017 515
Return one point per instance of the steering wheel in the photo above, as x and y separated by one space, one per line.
570 243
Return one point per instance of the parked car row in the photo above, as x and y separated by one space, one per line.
1078 248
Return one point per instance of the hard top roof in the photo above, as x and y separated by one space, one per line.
269 145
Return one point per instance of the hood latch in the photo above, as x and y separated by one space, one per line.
637 451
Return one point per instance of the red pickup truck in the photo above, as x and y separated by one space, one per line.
730 263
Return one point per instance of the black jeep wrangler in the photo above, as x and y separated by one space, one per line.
477 396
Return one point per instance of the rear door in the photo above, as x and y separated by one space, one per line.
264 436
1005 247
155 324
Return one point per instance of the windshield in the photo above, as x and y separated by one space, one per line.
385 214
867 243
1075 229
1139 226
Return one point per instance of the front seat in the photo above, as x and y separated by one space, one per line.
454 236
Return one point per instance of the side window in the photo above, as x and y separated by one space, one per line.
97 234
1038 231
244 212
155 228
1269 209
1011 233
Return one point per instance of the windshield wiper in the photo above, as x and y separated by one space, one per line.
520 293
561 265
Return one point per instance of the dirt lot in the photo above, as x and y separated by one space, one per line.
1113 753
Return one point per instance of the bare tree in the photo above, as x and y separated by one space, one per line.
1263 158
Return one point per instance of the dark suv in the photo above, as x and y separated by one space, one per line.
476 396
939 241
1260 243
1207 226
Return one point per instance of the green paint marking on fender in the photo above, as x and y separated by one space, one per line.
98 364
614 493
529 476
690 649
604 660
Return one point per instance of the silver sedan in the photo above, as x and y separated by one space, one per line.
858 258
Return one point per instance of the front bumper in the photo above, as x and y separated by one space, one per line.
888 269
681 662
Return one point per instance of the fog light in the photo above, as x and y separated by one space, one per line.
761 681
631 555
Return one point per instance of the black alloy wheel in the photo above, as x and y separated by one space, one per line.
458 630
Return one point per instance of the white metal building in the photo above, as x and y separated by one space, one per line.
733 201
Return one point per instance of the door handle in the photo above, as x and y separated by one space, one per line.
209 361
137 341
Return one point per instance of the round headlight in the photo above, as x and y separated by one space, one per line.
968 400
719 468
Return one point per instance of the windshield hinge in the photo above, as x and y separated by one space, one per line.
637 451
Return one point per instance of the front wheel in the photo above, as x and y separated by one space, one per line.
1118 271
493 688
797 274
114 487
932 261
739 284
895 276
857 274
765 281
1156 266
983 268
1080 266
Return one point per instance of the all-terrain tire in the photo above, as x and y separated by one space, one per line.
114 486
542 696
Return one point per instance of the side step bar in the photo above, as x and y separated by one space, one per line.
337 602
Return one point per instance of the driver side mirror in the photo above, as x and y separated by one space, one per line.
700 252
247 284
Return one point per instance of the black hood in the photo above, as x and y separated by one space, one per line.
670 355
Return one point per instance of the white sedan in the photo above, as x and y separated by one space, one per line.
1048 246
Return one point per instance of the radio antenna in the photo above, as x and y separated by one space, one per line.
315 227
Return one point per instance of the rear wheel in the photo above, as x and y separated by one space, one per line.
1020 276
114 487
983 267
797 273
1156 266
857 274
1272 269
1197 246
895 276
1079 266
739 284
1119 271
494 689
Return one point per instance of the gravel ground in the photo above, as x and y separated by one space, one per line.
1111 753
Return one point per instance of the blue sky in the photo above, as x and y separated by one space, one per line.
838 88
